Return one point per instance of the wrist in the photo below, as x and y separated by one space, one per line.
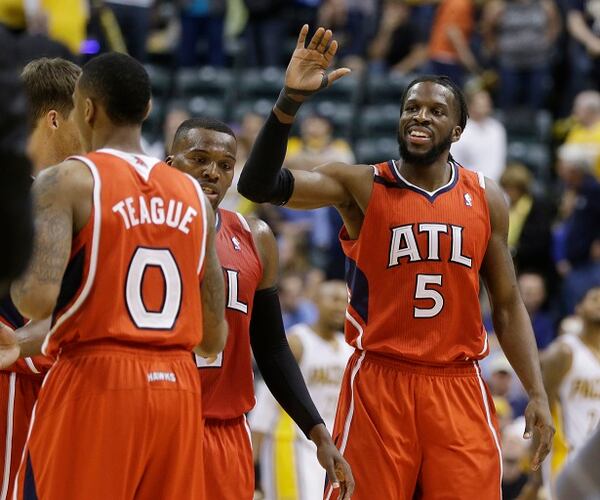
319 434
288 104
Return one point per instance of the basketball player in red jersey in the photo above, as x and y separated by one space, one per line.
125 264
206 149
48 86
414 416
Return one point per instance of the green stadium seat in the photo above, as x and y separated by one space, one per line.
536 156
205 81
527 125
379 120
259 106
207 106
160 80
386 88
260 83
371 151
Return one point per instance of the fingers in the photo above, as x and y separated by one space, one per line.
327 36
316 39
332 474
546 434
337 74
529 424
343 471
302 37
331 50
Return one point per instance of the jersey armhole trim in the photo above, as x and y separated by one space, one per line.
94 252
481 178
244 222
204 221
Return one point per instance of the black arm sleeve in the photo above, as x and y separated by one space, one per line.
262 179
277 363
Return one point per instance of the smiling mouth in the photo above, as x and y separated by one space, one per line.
209 191
419 134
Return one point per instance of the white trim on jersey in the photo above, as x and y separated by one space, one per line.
489 419
94 254
31 366
485 344
481 178
244 222
248 431
356 325
10 415
202 200
15 495
147 162
414 186
349 416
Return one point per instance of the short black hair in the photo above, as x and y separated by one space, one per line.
49 84
121 84
450 85
203 122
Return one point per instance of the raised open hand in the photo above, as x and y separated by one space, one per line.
307 71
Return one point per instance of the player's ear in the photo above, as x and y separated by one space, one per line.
90 110
169 160
148 109
52 119
456 133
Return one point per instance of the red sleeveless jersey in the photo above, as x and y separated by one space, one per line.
135 268
228 382
413 272
37 365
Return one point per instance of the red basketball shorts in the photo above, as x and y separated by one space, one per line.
116 422
417 431
228 463
18 394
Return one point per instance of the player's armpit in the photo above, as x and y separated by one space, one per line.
213 297
54 192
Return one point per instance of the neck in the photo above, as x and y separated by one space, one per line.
124 138
323 330
429 177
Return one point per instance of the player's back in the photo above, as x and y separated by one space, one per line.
134 271
413 272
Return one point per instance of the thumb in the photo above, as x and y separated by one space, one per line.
529 424
337 74
332 474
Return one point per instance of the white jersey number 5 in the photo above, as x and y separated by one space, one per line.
422 292
166 317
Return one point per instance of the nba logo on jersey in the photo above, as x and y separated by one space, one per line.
236 243
468 200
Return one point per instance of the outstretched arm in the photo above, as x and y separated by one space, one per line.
214 325
512 324
279 368
263 179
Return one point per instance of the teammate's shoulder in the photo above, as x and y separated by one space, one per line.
341 170
258 227
559 354
68 175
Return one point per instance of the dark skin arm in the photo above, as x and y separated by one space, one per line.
215 328
328 455
512 324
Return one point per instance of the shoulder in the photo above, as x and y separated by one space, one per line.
260 230
345 171
557 357
69 177
495 198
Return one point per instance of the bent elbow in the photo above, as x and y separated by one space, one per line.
213 341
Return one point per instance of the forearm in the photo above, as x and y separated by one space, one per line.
262 179
514 332
32 336
465 55
277 364
579 29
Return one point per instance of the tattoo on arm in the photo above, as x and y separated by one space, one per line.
52 241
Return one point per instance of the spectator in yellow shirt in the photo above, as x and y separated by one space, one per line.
586 113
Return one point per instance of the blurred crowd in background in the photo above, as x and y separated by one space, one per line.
530 70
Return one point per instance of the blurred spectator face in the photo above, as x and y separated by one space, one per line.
516 182
501 376
290 292
513 454
332 299
586 108
174 118
574 160
316 132
571 325
480 105
533 291
428 123
250 127
589 308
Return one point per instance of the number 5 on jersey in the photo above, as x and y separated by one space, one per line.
423 291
